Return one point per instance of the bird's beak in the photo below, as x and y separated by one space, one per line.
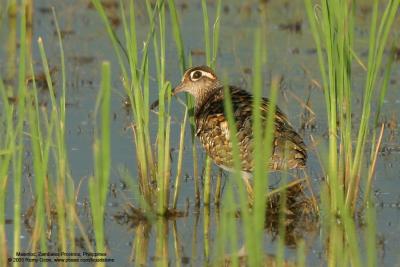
178 89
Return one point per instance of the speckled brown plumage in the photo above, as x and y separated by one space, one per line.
212 126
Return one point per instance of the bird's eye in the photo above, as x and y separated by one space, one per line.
195 75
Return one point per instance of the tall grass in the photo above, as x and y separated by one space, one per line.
18 155
183 64
13 110
333 31
153 166
54 186
98 185
27 122
65 188
211 51
136 83
253 220
40 143
177 34
12 12
6 152
211 58
180 159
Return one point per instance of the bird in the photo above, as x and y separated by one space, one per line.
288 148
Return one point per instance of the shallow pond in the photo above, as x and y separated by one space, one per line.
291 54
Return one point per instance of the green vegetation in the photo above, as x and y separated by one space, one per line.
28 122
350 160
333 31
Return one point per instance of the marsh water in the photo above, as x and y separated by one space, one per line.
291 54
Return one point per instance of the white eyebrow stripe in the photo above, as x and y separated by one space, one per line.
209 75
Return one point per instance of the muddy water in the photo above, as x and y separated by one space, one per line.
291 54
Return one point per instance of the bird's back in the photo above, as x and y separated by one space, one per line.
289 150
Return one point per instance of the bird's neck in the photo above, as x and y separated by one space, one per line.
202 98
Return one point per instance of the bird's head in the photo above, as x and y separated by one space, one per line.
198 81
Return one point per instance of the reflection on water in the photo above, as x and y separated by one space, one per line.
162 238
